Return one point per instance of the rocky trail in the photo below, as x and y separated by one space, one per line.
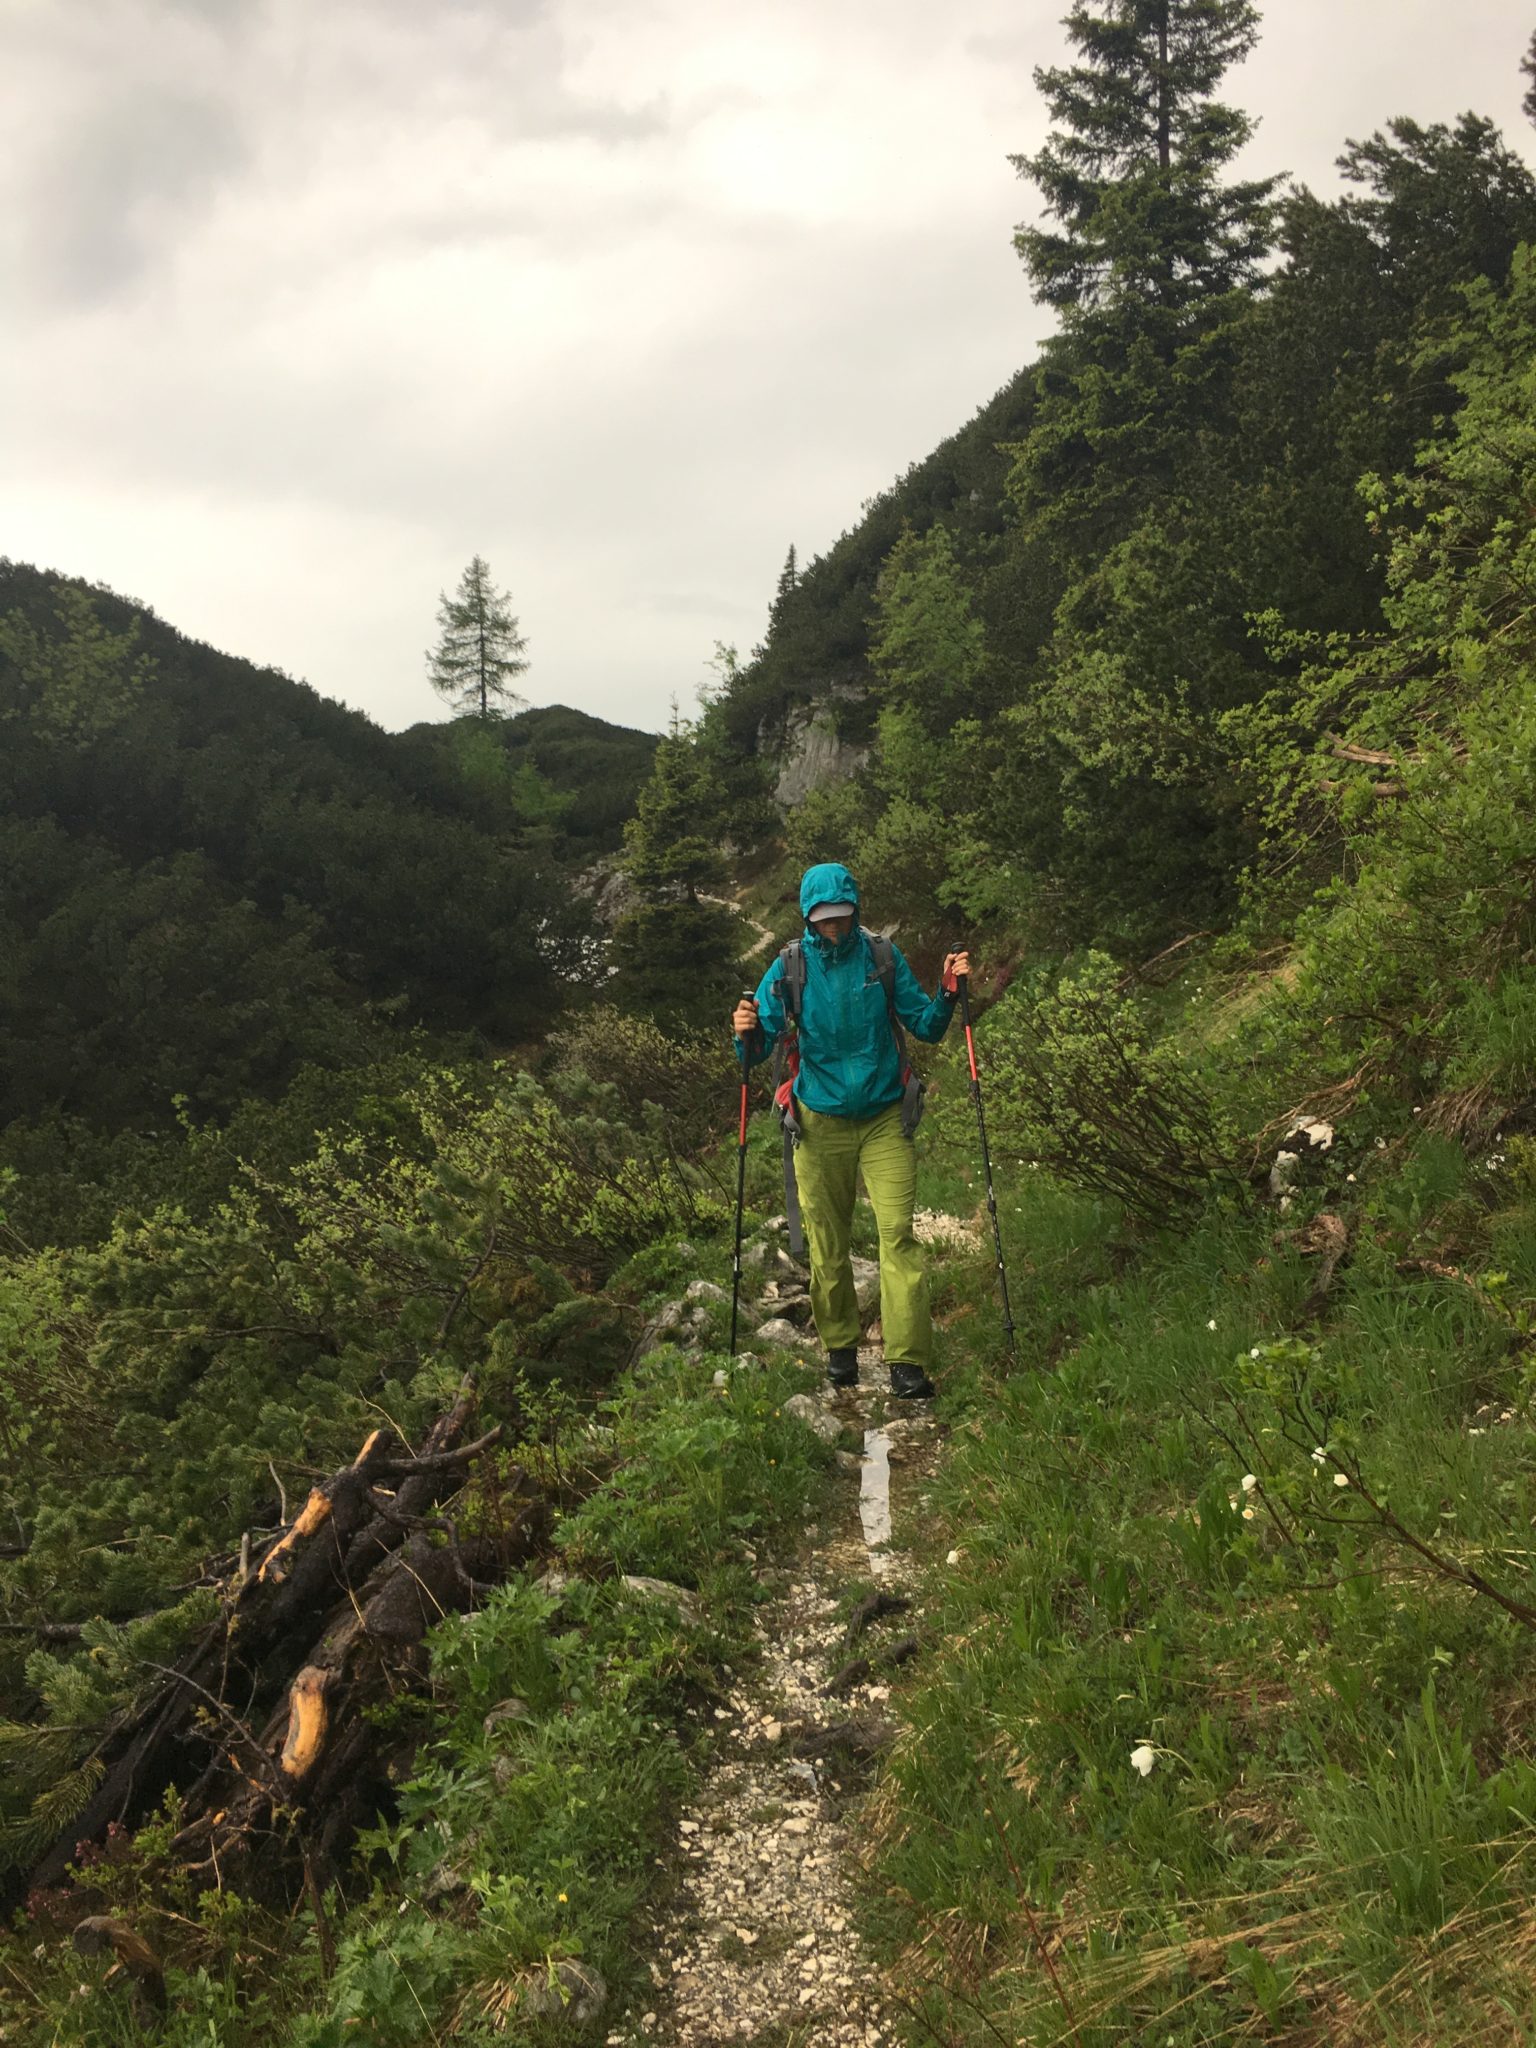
758 1941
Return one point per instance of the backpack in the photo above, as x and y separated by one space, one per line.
786 1066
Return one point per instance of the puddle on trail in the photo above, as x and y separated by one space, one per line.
875 1498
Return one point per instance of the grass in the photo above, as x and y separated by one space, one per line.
1335 1838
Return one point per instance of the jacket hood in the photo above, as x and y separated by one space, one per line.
828 882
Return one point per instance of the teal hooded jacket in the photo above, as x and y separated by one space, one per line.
848 1059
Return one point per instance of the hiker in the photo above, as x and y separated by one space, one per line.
856 1111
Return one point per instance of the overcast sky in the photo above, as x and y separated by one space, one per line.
301 305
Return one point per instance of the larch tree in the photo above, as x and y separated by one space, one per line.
480 652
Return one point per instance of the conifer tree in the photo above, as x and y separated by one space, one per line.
1528 66
1131 169
481 650
673 953
789 576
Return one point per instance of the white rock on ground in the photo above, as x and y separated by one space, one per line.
777 1331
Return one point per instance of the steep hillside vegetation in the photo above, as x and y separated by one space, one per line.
211 874
1060 626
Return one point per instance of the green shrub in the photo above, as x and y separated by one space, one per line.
1078 1077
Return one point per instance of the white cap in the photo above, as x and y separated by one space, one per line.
824 910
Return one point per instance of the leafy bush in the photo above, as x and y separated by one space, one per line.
1078 1076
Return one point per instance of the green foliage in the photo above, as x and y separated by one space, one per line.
1079 1077
673 841
689 1075
928 644
75 686
156 1390
713 1459
1074 632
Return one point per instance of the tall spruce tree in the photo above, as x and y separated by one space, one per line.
1131 172
481 651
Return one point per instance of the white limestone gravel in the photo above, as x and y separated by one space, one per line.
759 1938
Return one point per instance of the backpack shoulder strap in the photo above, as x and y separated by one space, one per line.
792 986
885 967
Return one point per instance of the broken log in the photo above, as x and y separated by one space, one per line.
330 1620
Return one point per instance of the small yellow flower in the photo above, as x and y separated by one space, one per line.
563 1899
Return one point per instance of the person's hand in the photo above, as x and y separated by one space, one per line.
744 1018
955 964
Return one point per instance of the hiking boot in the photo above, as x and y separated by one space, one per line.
843 1367
911 1383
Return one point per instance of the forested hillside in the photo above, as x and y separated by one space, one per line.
1070 624
386 1503
213 875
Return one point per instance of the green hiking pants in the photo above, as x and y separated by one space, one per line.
833 1151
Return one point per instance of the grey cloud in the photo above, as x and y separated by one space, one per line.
122 181
145 115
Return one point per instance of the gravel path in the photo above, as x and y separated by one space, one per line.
759 1943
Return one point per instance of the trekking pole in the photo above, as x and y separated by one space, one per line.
741 1178
962 982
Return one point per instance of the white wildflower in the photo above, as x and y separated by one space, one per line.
1211 1324
1477 1432
1247 1514
1250 1481
1341 1479
1254 1352
1143 1757
1319 1456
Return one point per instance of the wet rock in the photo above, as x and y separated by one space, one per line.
686 1603
506 1710
662 1328
777 1331
814 1416
794 1308
569 1991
